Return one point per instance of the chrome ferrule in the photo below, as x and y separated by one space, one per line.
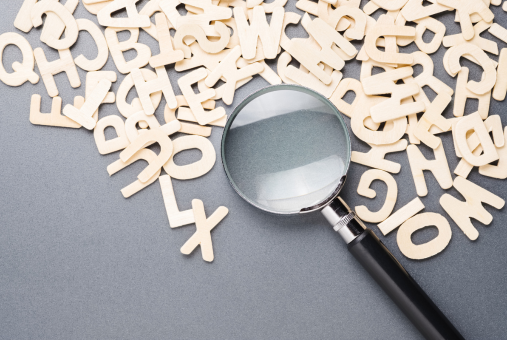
343 220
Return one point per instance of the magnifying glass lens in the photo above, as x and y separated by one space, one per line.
285 148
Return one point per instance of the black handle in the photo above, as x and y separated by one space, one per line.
401 288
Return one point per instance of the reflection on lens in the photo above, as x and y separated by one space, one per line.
285 149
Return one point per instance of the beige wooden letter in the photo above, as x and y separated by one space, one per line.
439 167
310 57
501 82
430 248
54 27
145 89
145 154
375 157
484 44
117 48
115 144
364 190
433 25
384 83
49 69
194 170
204 226
103 54
197 32
167 54
151 122
433 116
23 72
229 71
452 66
292 75
379 30
23 21
151 136
475 123
84 115
499 170
465 9
389 135
134 19
54 118
400 216
463 93
461 212
269 34
92 80
71 29
209 13
176 217
426 78
127 109
195 100
414 9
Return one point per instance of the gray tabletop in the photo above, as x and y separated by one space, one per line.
78 261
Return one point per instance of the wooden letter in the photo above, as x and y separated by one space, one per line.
194 170
92 80
145 154
197 32
209 13
176 217
100 41
269 34
134 19
23 72
229 71
439 167
54 118
375 157
501 82
430 248
370 43
461 212
49 69
364 190
452 66
151 136
167 54
204 226
475 123
71 29
117 48
23 21
145 89
84 115
127 109
463 93
433 116
195 100
465 9
433 25
112 145
499 170
392 108
400 216
151 122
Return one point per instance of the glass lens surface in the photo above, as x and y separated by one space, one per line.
285 148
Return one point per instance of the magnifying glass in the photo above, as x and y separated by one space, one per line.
286 150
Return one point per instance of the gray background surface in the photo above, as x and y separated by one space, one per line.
78 261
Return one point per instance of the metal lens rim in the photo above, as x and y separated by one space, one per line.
259 93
